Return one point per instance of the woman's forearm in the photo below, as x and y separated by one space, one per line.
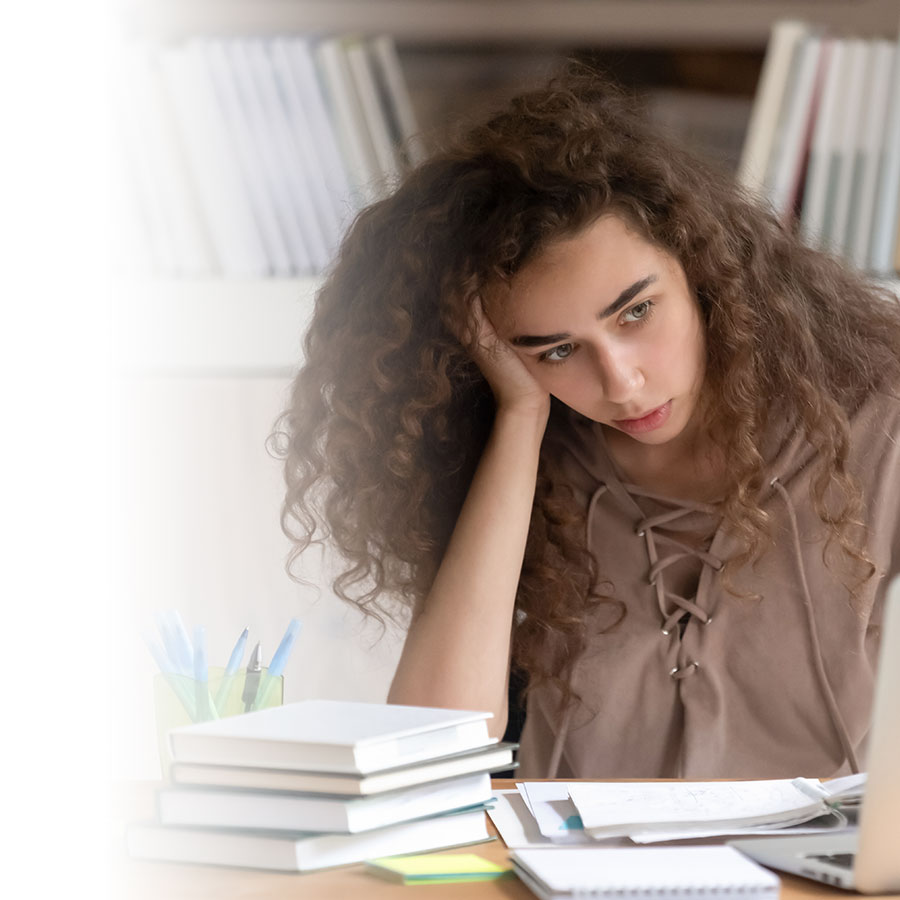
457 651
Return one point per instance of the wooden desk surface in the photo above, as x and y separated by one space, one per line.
139 880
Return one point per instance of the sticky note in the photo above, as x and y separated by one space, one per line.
436 868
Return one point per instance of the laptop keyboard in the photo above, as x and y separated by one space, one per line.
844 860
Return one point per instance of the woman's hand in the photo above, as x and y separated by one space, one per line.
514 387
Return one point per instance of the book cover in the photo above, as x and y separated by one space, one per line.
221 188
848 120
374 112
815 191
287 158
349 120
246 141
296 66
291 811
768 102
401 113
491 758
786 165
868 152
887 210
293 852
332 736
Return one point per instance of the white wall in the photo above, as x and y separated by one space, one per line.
197 500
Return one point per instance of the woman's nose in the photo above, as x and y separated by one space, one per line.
620 375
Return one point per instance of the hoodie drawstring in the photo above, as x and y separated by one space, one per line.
837 720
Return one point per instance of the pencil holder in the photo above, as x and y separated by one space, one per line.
180 700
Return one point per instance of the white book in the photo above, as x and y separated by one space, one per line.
659 873
373 108
132 119
293 811
246 140
221 189
331 736
294 63
785 167
815 192
871 140
287 157
848 120
275 172
348 118
388 68
887 207
491 758
768 101
297 143
291 852
193 254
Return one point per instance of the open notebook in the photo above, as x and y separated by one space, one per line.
866 859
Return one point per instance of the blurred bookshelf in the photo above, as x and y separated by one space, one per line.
695 63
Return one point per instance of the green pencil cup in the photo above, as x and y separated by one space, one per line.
180 700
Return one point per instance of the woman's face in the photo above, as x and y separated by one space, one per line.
606 323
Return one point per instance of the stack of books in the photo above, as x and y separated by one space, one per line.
823 141
323 783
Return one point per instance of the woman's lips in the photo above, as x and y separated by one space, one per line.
648 422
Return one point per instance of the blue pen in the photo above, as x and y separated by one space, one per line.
167 667
205 708
182 643
234 663
170 645
279 661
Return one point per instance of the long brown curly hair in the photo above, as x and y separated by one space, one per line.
388 416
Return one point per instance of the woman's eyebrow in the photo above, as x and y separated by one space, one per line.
625 297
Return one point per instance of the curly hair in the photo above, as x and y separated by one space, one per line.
389 415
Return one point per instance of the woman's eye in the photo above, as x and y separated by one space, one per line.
638 311
558 354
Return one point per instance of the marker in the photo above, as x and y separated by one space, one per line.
251 682
234 662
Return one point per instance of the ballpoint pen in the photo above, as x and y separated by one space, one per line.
167 668
205 707
279 660
251 682
234 662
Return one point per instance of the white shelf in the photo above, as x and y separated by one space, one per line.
237 328
645 23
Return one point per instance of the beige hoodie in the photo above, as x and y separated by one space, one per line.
696 682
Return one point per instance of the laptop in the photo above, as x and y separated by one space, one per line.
866 859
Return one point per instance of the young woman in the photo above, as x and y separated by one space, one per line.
598 419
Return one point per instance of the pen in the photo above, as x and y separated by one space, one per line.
167 668
182 642
234 662
251 682
205 709
279 661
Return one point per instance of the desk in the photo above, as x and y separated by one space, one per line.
138 880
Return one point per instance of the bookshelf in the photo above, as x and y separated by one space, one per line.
252 328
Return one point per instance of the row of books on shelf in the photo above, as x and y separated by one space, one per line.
323 783
823 142
248 157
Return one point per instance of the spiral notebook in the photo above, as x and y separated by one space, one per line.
643 873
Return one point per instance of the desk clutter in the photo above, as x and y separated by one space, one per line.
549 814
323 783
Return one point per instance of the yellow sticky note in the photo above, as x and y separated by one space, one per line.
436 867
